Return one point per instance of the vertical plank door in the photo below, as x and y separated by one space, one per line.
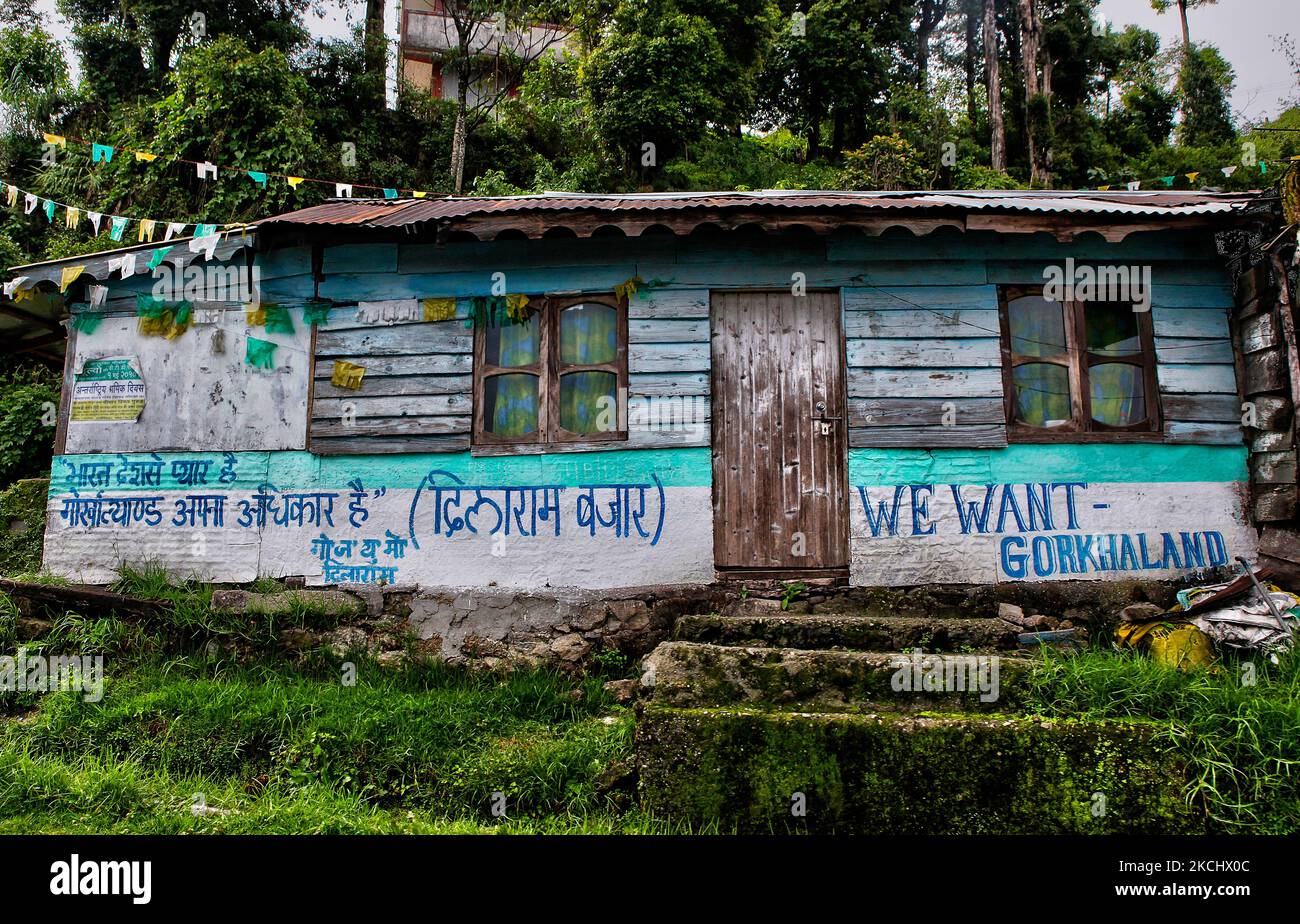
780 439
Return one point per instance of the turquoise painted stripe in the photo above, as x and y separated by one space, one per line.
302 471
1095 463
680 468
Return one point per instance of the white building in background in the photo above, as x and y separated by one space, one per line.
428 32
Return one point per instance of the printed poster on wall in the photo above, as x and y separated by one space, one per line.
108 390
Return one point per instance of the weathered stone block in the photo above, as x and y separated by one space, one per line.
891 774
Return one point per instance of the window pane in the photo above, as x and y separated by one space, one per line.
514 344
587 402
510 404
1042 394
1113 330
588 334
1118 394
1037 326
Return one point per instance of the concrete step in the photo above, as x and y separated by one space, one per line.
864 633
693 674
759 771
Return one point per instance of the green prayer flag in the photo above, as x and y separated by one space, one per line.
85 322
149 307
260 354
157 257
316 311
258 177
101 153
49 209
278 320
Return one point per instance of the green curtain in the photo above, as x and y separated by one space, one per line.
588 335
513 402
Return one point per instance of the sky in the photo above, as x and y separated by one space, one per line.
1243 30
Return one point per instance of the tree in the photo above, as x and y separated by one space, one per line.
842 65
1037 94
1163 6
1204 83
489 45
929 14
162 27
34 81
655 82
997 125
376 45
885 162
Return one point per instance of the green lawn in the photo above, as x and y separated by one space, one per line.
279 742
291 748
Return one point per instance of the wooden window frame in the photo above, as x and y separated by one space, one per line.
549 436
1078 360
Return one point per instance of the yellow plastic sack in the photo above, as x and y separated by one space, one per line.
1179 645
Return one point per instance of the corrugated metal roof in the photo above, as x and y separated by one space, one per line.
398 213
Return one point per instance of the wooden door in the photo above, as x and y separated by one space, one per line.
780 439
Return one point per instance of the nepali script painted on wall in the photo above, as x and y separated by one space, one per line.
594 521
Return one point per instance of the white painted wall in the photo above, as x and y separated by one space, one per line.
198 398
911 556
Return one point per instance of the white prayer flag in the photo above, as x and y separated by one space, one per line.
207 244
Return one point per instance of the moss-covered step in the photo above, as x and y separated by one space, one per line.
863 633
753 770
698 674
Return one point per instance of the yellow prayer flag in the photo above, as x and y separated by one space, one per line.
254 316
11 195
69 275
71 217
145 156
294 181
439 309
25 295
55 139
516 304
1191 177
1104 188
146 229
347 375
418 193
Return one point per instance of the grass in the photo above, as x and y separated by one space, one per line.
274 749
280 745
1236 725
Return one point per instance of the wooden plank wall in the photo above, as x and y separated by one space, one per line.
924 366
1268 388
668 368
921 326
416 395
1195 365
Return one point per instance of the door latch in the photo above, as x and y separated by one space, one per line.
824 422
